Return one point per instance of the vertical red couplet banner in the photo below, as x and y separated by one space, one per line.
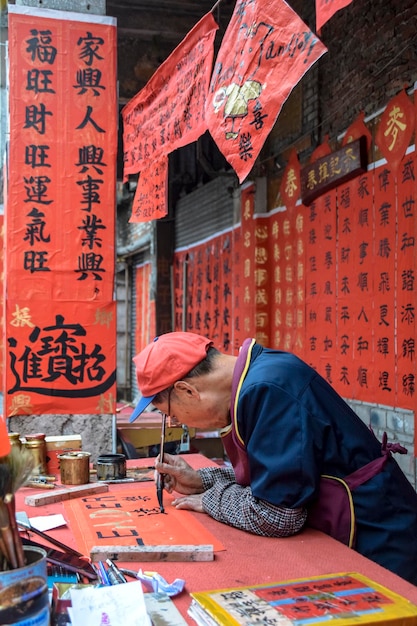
384 299
60 320
405 281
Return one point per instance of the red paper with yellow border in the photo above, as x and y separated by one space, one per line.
129 515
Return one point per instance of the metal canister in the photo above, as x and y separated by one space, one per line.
14 439
36 444
74 467
111 467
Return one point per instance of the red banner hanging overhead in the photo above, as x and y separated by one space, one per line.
150 201
265 52
395 129
60 214
168 112
325 9
291 184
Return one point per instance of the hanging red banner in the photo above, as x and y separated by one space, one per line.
383 262
395 129
60 213
168 112
151 196
291 185
247 209
325 9
406 285
145 324
60 218
60 361
205 300
265 52
357 130
262 267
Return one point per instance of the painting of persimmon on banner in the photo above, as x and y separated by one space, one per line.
60 359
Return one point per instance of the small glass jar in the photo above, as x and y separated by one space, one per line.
36 444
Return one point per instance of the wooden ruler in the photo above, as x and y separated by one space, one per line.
152 553
39 499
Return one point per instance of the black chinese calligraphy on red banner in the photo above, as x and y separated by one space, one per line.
265 51
60 212
168 112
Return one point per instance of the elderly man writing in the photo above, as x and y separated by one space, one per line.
283 428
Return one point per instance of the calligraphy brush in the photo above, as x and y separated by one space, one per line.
160 477
21 465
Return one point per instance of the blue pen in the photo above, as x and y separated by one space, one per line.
103 573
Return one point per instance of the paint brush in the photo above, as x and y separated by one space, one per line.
21 465
160 477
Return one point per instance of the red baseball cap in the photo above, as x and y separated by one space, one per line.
165 360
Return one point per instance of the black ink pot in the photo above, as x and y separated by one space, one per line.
111 466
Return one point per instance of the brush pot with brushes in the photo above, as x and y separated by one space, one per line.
24 596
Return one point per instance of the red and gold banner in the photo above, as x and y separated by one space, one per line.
168 112
290 188
262 268
265 52
395 129
60 213
247 301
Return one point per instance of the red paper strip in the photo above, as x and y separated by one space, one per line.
131 516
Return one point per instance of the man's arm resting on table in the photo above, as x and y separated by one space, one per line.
230 503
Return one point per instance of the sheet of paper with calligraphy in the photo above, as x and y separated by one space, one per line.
356 288
130 516
239 334
346 598
279 335
145 328
60 362
209 279
151 196
406 284
265 52
262 268
247 209
168 112
379 269
321 285
60 219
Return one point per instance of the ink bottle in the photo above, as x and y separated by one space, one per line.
36 444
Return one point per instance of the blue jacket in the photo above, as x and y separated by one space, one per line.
294 428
